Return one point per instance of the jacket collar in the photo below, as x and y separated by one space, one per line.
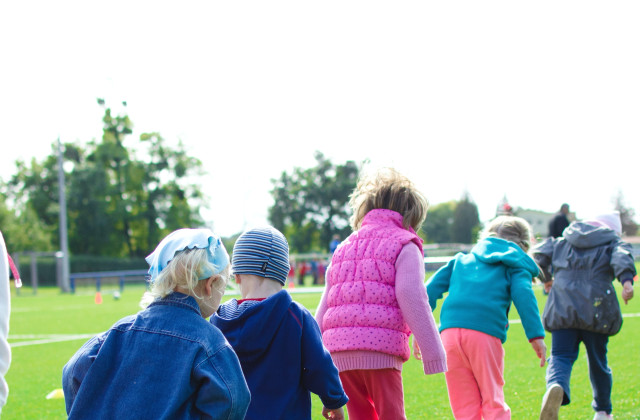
180 300
383 216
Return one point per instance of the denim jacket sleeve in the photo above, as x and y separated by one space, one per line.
223 391
77 367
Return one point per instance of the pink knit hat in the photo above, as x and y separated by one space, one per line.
611 220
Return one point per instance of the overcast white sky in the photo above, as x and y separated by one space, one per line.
538 101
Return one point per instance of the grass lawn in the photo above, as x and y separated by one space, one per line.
36 370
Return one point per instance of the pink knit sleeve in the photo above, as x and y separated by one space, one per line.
322 306
414 304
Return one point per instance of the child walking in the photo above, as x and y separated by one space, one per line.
167 361
474 316
375 297
276 339
583 306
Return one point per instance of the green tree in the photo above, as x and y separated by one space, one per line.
24 231
439 222
452 222
171 199
311 205
118 205
629 227
465 220
90 219
112 156
33 192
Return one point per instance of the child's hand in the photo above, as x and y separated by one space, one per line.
416 350
541 350
547 286
334 414
627 292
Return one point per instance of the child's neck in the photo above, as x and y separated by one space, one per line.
259 288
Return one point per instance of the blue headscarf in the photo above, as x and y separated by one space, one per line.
182 239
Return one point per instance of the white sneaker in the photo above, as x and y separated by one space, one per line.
551 402
601 415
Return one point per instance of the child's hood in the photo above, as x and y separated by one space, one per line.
497 250
251 332
584 235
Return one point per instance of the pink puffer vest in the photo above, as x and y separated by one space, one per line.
362 310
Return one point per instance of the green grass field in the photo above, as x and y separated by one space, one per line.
37 321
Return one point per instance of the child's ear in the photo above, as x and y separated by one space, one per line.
237 278
208 286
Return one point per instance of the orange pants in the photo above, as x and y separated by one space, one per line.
475 378
374 394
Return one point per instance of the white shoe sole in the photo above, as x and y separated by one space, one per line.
551 403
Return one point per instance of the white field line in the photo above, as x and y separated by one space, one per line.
54 308
33 339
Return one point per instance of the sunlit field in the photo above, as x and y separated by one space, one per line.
47 328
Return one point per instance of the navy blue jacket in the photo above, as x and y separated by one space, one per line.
282 356
166 362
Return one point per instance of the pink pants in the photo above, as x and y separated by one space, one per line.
475 378
374 394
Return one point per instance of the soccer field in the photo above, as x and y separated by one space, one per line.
47 328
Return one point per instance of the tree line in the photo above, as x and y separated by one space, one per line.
118 204
121 205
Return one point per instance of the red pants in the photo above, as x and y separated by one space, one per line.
374 394
475 379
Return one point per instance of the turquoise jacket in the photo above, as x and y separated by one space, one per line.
482 284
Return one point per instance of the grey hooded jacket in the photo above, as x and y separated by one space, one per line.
584 263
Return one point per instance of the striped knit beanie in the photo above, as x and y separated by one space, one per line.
262 252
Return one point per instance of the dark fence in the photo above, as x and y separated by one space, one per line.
42 268
99 277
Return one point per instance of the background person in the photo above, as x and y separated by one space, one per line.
335 241
582 306
559 222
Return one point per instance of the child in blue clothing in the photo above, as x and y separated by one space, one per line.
167 361
276 339
474 316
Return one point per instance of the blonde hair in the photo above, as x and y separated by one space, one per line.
388 189
510 228
184 272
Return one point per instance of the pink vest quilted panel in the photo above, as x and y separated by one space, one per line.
362 310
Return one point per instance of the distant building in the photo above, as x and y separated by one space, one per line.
539 220
635 243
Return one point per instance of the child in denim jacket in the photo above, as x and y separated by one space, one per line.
167 361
